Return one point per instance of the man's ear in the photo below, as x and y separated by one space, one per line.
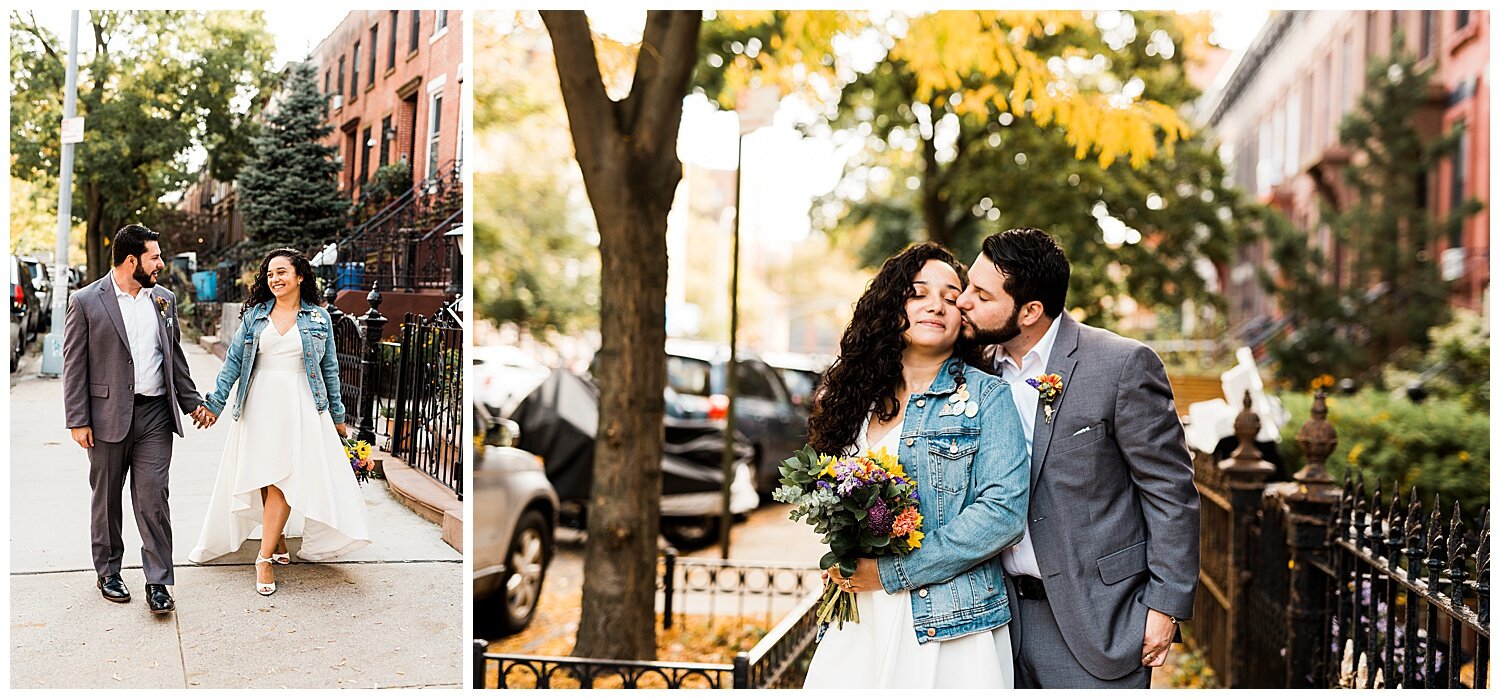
1032 313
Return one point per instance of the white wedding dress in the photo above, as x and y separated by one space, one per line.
882 652
281 439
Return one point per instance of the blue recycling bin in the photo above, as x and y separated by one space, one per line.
206 284
351 275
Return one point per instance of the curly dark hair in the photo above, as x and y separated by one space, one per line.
260 291
1035 267
868 370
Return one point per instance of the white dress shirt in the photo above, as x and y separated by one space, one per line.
142 319
1021 558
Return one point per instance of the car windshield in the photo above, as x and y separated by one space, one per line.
688 376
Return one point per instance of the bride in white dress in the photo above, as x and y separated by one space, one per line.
906 363
284 471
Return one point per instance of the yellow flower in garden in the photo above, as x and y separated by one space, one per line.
1354 453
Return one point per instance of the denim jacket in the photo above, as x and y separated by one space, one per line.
319 357
973 476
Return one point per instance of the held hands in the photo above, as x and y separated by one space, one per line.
84 436
203 417
1158 640
866 577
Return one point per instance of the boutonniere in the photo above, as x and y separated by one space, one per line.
161 306
1050 386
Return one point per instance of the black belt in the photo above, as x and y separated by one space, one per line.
147 399
1028 587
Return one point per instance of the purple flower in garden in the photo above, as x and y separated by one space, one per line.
881 518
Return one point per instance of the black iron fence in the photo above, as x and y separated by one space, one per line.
691 591
428 409
402 246
1306 583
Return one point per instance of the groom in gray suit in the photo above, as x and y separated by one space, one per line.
125 385
1108 563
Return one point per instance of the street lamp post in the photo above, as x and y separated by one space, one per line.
52 346
755 108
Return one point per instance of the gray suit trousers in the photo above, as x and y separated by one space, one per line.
1043 660
145 455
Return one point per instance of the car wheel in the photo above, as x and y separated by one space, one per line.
689 533
526 565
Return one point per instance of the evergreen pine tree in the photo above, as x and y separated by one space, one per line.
1392 292
289 189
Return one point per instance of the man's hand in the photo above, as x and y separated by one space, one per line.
204 417
84 436
866 577
1158 639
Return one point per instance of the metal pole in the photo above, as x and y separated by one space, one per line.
52 346
732 382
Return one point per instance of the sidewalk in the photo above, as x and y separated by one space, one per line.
389 615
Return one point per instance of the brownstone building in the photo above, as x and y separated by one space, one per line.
393 80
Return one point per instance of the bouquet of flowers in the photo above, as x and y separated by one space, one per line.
864 506
358 452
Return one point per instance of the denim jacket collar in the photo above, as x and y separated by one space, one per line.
263 309
946 380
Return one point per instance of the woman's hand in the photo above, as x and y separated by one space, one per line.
866 577
343 430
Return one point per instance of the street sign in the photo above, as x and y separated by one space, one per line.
72 130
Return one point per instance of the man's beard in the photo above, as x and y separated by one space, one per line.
995 336
145 279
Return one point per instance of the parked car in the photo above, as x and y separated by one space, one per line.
771 422
24 299
41 281
802 374
502 376
17 337
559 421
515 522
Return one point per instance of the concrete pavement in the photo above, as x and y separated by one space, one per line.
389 615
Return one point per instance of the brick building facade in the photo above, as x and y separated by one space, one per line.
393 80
1277 115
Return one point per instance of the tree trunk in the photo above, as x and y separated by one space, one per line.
627 151
97 258
934 197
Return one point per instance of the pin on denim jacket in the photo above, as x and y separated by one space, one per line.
973 476
320 359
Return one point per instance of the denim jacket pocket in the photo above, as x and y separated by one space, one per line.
951 452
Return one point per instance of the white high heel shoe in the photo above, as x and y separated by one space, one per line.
265 589
284 558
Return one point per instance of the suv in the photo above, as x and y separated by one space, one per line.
25 309
41 281
515 521
766 413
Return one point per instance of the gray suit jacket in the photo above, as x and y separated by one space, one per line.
1114 512
98 373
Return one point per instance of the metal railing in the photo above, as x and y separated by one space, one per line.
428 409
402 246
1410 595
692 590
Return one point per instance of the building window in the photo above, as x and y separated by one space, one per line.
374 49
441 22
1370 18
1460 19
1346 77
354 74
416 30
1429 33
386 134
1396 29
341 75
1293 134
434 132
364 157
1460 179
327 89
391 60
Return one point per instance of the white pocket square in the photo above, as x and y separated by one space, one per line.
1086 429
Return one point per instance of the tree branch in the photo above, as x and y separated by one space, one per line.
36 31
669 51
591 114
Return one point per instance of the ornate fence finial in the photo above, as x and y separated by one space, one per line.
1317 439
1246 458
1482 570
1377 521
1458 554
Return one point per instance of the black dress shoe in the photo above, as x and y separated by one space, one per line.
159 599
113 588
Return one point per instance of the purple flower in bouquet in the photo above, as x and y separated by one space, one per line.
881 518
